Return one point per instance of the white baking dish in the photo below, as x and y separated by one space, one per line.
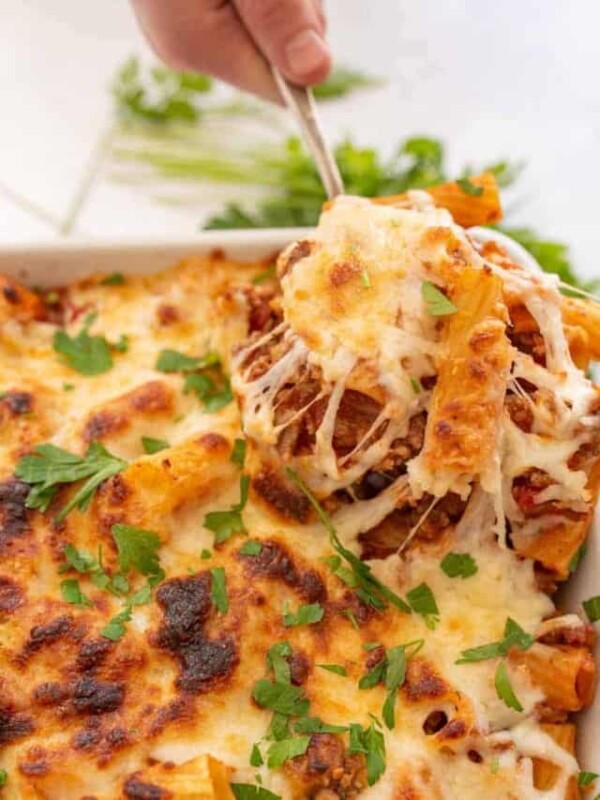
58 263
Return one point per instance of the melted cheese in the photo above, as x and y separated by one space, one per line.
70 752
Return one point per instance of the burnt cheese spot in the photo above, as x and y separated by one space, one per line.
167 314
42 635
18 402
186 605
280 495
326 770
13 724
14 517
11 294
86 696
92 654
103 423
136 789
422 682
11 595
274 561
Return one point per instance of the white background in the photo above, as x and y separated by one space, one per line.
519 78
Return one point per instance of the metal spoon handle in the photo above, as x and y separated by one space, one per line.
301 103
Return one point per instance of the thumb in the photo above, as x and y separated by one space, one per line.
291 35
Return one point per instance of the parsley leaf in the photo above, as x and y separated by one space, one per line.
592 608
456 565
394 679
225 524
71 592
337 669
152 446
3 777
251 548
174 361
308 614
115 628
514 636
577 558
50 467
586 778
114 279
268 274
277 656
238 452
246 791
256 759
469 188
88 355
280 697
436 302
369 589
416 385
370 743
214 394
504 689
422 601
219 590
316 725
137 549
281 751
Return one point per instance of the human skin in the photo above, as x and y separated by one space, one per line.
234 39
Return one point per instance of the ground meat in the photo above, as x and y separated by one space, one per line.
326 770
520 411
385 538
531 343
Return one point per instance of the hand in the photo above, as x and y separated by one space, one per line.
227 38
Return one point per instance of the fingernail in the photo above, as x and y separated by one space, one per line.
305 53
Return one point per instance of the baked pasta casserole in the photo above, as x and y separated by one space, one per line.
295 529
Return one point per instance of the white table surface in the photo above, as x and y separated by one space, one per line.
518 78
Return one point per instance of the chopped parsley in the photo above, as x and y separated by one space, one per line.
114 279
422 601
152 446
365 278
586 778
268 274
204 376
88 355
514 636
138 549
238 452
281 751
282 698
368 588
256 759
3 777
205 554
308 614
219 590
51 467
337 669
577 558
351 617
71 592
468 187
504 689
247 791
436 302
251 548
225 524
592 608
416 385
174 361
458 565
370 743
391 671
115 628
316 725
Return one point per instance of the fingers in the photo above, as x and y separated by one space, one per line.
291 34
206 36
